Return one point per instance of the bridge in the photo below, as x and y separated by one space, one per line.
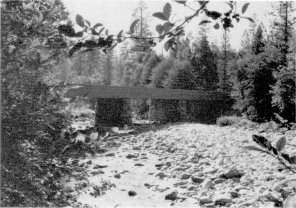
98 91
165 104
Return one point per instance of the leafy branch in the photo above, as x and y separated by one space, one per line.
169 29
289 162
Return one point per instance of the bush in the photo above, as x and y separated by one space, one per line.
228 120
247 123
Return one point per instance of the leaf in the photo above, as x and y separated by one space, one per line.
120 33
286 157
94 32
75 48
113 46
119 36
80 20
87 50
202 3
90 44
101 30
253 148
167 10
249 18
181 2
293 159
97 25
167 26
66 30
217 26
168 44
160 15
204 22
245 7
213 14
274 151
133 25
280 144
159 29
88 22
260 140
230 4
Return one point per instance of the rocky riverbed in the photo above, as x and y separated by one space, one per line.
184 165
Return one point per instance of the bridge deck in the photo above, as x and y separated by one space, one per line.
96 91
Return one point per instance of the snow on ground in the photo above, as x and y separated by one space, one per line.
185 165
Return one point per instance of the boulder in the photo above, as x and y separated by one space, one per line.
207 184
222 199
185 176
172 196
196 179
232 173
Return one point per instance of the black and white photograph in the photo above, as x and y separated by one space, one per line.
148 103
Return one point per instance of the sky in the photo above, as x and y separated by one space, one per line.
117 15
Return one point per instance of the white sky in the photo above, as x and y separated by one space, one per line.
117 15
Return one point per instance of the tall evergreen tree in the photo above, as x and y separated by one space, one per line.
284 69
258 43
204 66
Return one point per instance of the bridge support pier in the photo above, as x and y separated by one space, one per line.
113 112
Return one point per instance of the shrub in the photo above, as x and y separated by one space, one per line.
228 120
247 123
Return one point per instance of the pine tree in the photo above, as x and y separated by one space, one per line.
224 80
204 66
284 69
141 13
258 43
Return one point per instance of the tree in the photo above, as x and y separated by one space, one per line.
140 13
224 79
180 76
204 66
151 61
254 79
161 71
284 68
258 43
183 49
30 45
283 29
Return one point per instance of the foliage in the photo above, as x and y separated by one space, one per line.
284 69
289 162
168 29
228 120
284 93
151 61
30 114
253 83
179 76
161 71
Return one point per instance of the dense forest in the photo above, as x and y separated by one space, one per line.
35 66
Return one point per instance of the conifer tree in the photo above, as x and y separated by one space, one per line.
204 66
